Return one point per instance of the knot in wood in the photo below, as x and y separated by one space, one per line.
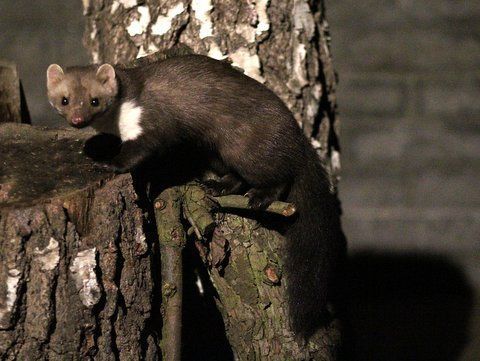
169 290
177 238
160 204
272 274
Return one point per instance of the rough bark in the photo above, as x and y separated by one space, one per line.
246 270
75 263
252 298
13 107
285 45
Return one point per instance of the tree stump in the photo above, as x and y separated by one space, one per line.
13 106
79 267
75 267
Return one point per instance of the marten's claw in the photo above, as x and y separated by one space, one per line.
213 187
259 200
109 167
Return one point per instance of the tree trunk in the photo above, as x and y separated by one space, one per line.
75 263
285 45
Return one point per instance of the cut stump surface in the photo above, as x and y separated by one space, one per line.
75 263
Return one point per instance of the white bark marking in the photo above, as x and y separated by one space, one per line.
317 91
315 144
299 69
250 63
303 18
115 6
263 20
246 31
83 272
215 52
49 256
127 4
140 239
95 57
199 285
86 6
93 34
335 160
202 9
152 48
312 109
303 24
129 121
13 278
164 22
139 26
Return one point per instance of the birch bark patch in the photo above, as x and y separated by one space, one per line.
215 52
139 26
303 18
202 9
49 256
127 4
164 22
263 21
250 63
152 48
83 272
13 278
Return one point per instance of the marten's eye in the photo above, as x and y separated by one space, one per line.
64 101
95 102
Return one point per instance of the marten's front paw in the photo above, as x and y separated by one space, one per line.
103 166
214 188
228 184
109 167
259 199
102 147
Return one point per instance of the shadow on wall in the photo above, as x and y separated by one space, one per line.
406 307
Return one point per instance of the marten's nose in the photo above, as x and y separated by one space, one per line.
77 119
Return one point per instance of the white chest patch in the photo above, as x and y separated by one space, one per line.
129 121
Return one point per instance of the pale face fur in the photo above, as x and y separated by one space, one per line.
80 94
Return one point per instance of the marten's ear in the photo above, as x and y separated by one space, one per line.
106 76
54 75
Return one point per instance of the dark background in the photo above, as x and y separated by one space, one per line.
409 101
409 97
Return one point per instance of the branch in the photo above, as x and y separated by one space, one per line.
172 240
197 210
241 202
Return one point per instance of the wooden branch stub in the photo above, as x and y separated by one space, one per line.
241 202
13 108
172 239
197 209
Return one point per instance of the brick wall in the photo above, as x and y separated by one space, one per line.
409 98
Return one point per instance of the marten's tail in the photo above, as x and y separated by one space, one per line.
315 246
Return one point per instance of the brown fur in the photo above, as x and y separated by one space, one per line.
80 85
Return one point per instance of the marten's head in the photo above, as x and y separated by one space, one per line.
81 93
